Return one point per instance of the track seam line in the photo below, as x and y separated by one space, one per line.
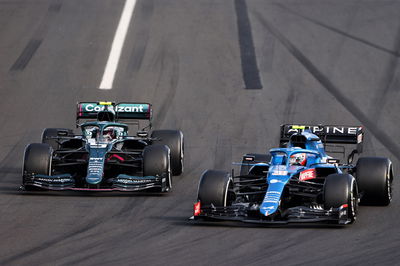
117 45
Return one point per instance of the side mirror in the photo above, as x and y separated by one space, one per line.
332 160
350 158
248 158
142 134
62 133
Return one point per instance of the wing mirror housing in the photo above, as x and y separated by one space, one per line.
142 134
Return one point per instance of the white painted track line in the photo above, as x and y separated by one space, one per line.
117 45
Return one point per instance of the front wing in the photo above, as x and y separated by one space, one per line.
300 214
120 183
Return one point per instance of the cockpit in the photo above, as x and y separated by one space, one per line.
99 133
294 157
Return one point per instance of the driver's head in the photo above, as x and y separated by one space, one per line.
109 133
298 159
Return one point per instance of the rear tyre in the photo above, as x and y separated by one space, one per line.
258 158
156 162
214 188
174 140
341 189
374 177
37 160
49 134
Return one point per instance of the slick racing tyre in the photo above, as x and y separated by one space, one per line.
174 140
374 177
215 188
156 162
258 158
49 134
37 160
341 189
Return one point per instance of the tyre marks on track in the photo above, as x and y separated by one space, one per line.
50 243
384 138
87 226
290 106
144 18
390 82
395 53
250 71
55 6
167 82
33 45
222 152
26 55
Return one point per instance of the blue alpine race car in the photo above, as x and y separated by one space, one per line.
298 182
104 157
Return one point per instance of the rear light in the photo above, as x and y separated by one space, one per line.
196 209
344 206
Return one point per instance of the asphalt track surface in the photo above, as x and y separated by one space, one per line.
227 73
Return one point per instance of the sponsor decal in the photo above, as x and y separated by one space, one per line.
96 108
133 109
53 180
95 166
307 174
279 170
95 145
272 197
134 181
129 108
329 130
268 208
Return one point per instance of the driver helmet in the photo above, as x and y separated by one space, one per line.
109 133
298 159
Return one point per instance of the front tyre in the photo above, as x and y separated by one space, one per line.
156 162
340 189
214 188
37 160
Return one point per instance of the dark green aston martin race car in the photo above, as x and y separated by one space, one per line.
104 157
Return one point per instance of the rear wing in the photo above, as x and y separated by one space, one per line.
122 111
327 133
